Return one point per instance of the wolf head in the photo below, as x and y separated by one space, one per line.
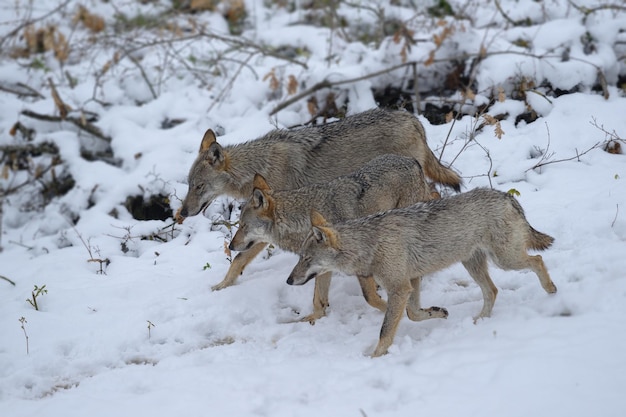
257 217
318 252
208 176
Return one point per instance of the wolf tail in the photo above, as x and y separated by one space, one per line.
538 240
435 169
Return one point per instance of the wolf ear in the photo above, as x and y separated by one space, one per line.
326 235
214 151
207 140
322 230
318 234
259 199
261 194
317 219
260 183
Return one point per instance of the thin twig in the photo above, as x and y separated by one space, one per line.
613 135
21 89
21 244
88 247
7 280
229 84
545 155
143 75
416 91
577 156
445 142
490 161
588 10
32 21
23 321
239 42
40 174
506 16
471 136
616 212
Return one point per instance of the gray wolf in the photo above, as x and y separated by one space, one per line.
282 217
289 159
399 245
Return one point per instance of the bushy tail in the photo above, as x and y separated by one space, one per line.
441 174
433 168
538 240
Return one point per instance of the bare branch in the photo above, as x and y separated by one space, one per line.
587 11
328 84
143 75
32 21
20 89
80 122
554 161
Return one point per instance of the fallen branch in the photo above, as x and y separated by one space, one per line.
80 122
55 161
588 10
327 84
20 89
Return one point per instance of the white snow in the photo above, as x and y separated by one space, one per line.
150 338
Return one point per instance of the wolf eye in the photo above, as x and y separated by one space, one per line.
198 187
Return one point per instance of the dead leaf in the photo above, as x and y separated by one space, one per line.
292 85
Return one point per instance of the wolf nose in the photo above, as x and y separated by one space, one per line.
184 212
231 246
290 280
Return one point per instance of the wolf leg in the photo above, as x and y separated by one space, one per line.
368 286
320 297
514 255
478 269
521 260
414 310
537 265
398 296
238 264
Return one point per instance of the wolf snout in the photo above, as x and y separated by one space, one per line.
237 247
293 281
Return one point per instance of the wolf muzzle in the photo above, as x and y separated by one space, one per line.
231 246
292 281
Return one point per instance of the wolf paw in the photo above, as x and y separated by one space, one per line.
221 286
311 318
427 313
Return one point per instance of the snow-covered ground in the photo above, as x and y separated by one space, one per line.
149 337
